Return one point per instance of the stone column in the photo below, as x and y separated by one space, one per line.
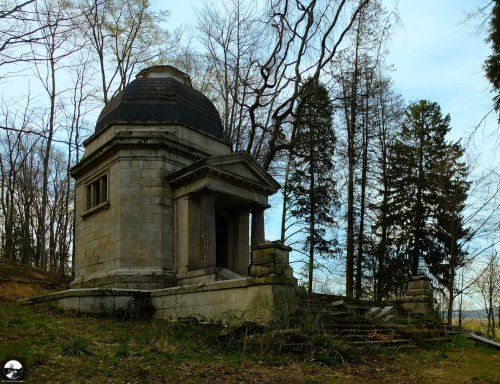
258 235
242 256
207 230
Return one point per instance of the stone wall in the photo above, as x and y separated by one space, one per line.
97 232
128 242
254 300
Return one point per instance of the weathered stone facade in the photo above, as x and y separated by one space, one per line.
176 202
167 215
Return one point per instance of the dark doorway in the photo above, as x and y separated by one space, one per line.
222 241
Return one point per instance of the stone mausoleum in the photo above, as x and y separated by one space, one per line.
164 207
169 219
161 199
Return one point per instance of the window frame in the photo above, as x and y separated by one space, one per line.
96 194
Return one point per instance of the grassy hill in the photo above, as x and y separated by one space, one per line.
60 347
70 347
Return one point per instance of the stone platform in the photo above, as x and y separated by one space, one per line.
247 300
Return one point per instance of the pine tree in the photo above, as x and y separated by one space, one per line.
428 191
492 63
448 253
311 180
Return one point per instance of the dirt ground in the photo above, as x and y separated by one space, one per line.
19 281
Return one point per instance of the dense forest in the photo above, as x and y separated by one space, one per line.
370 182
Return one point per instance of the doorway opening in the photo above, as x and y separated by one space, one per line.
221 241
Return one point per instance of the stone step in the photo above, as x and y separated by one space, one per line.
361 322
408 330
438 339
400 347
357 333
381 342
375 337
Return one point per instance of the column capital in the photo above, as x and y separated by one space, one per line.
257 206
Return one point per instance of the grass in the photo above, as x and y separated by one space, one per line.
479 325
61 347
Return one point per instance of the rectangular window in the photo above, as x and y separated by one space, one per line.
96 193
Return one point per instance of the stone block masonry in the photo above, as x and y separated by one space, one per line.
419 296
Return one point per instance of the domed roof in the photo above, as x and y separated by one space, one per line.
162 94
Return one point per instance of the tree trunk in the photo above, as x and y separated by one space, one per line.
351 153
285 201
362 208
41 235
451 298
460 303
312 206
419 215
491 315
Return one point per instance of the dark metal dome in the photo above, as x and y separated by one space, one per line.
162 94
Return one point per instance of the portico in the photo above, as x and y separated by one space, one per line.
213 199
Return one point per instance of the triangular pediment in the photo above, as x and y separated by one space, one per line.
235 168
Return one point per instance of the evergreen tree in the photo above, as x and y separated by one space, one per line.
428 190
448 253
385 267
311 182
492 63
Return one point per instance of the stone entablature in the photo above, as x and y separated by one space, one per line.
181 142
234 173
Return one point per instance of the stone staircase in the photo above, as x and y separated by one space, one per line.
334 328
360 323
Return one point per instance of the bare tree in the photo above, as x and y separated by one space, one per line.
231 38
27 193
9 167
14 157
75 113
17 28
489 288
294 41
124 35
48 55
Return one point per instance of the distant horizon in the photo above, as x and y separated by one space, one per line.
471 314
